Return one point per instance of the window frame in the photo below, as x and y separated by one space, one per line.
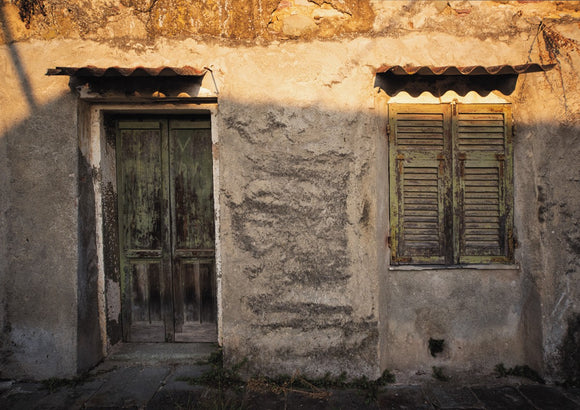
446 154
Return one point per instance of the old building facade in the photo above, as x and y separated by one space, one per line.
321 186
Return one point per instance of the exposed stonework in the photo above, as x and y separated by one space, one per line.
127 21
319 18
227 19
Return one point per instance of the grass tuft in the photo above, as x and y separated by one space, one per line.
520 371
439 375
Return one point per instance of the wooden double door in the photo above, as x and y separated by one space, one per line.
166 228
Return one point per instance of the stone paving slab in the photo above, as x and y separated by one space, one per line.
505 397
70 398
130 387
189 398
263 400
164 387
547 397
403 397
180 372
22 396
452 397
573 394
177 393
323 400
351 399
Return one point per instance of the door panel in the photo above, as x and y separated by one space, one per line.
192 204
192 190
194 301
166 224
142 186
147 321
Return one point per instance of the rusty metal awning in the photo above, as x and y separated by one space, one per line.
142 84
100 72
438 80
463 71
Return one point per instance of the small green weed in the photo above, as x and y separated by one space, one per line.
54 384
371 387
438 374
218 376
223 378
520 371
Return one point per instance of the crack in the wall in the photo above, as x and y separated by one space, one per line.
558 45
337 5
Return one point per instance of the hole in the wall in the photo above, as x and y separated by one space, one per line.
436 346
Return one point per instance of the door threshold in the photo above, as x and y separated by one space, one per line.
161 353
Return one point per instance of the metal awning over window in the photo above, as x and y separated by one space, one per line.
138 83
438 80
468 70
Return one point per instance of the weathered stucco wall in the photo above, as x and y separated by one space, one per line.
39 280
4 173
303 183
475 312
548 145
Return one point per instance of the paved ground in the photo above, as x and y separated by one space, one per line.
151 378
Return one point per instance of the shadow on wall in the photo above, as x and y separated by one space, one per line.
293 200
51 261
51 258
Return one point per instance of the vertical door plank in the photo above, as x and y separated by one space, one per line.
140 296
192 169
207 305
141 228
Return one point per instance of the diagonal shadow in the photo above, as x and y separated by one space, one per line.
16 60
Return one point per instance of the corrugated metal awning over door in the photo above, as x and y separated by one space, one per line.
92 71
137 83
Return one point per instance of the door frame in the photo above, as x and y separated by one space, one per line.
93 147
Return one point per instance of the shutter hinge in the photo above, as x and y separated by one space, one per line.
454 107
389 242
513 240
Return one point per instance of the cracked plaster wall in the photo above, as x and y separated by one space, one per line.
303 191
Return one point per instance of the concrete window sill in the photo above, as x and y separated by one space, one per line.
515 266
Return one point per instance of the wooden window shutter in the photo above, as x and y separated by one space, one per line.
420 183
483 183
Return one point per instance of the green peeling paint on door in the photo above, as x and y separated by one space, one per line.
166 229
